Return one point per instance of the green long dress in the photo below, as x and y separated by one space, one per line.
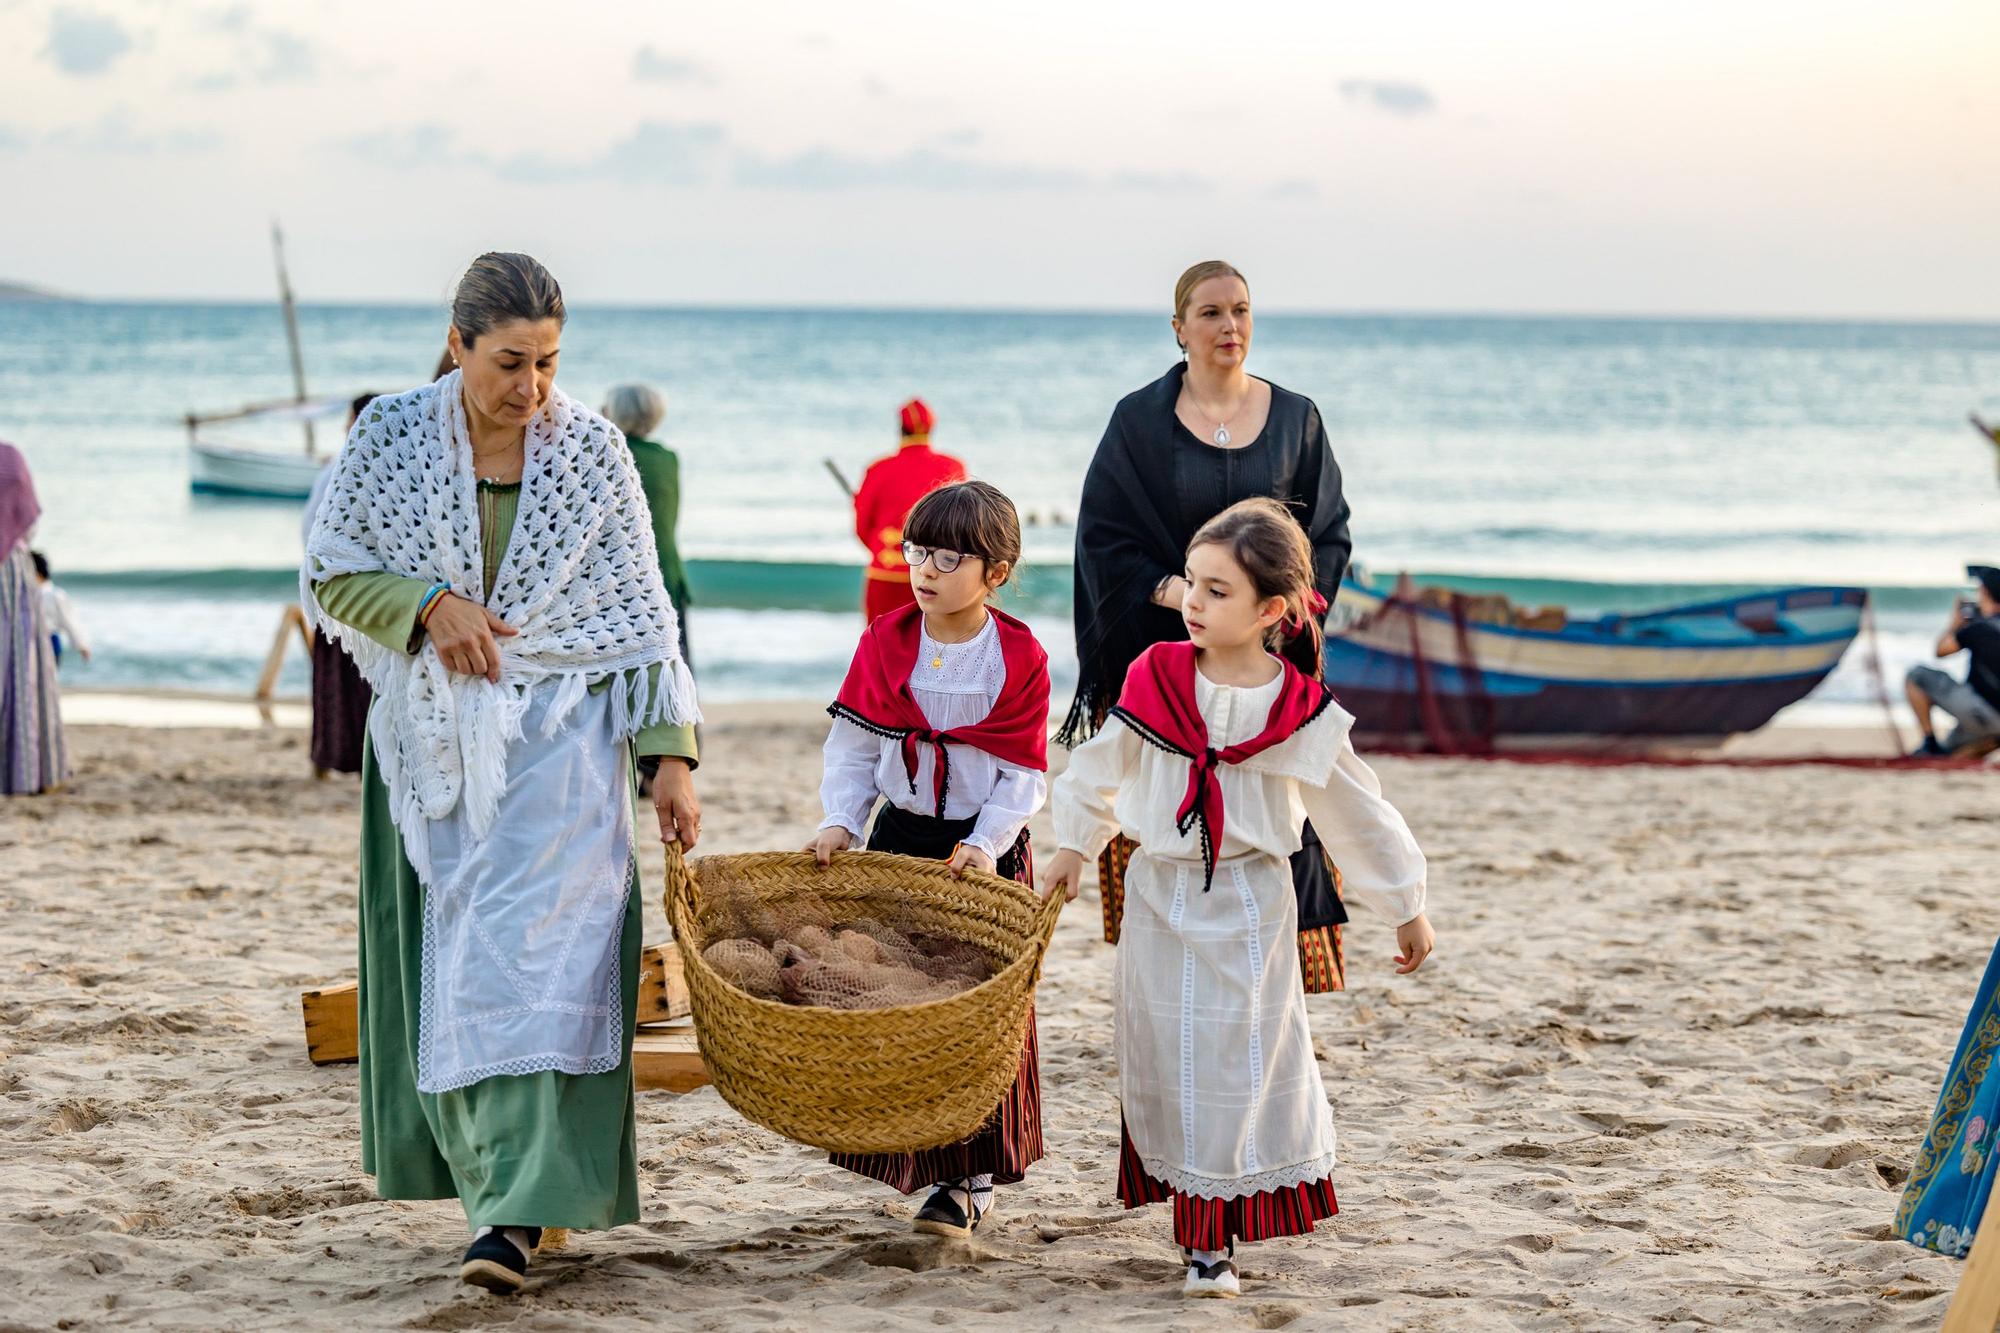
660 478
542 1150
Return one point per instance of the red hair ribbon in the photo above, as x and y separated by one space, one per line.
1295 625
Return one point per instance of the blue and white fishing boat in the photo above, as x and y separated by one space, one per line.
1411 663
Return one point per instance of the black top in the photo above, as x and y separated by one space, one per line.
1981 638
1151 485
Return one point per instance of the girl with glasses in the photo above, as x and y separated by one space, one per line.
943 723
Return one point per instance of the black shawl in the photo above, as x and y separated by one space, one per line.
1151 485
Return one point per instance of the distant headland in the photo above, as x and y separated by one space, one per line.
21 291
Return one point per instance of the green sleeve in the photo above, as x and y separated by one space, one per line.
672 740
379 604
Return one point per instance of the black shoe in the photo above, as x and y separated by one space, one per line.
1217 1280
941 1215
1930 749
494 1263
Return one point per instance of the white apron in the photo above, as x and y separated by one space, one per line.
1221 1094
523 925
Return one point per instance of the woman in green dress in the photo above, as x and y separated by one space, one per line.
484 554
638 410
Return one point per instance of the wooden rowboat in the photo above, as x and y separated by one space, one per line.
1428 663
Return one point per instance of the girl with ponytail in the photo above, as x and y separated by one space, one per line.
1215 753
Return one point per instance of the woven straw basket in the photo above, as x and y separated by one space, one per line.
867 1080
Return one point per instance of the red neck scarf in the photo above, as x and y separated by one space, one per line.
876 697
1159 703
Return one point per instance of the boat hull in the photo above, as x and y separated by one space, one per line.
1405 672
219 470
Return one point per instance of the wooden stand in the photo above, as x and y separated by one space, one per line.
663 1058
290 621
1975 1306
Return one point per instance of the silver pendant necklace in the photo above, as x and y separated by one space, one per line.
1221 436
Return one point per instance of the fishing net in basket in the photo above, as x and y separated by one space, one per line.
798 950
877 1005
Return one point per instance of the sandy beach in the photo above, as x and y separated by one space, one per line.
1667 1070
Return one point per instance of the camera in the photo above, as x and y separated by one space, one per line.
1968 609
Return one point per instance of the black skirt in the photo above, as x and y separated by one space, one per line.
340 699
1012 1140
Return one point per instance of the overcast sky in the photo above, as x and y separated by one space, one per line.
1810 157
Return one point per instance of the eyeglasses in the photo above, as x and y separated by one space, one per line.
944 561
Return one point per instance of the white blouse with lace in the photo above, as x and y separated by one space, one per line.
956 685
1117 781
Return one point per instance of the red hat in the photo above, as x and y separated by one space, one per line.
918 417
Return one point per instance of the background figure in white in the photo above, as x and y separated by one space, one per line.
59 620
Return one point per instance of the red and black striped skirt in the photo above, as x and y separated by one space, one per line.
1012 1140
1211 1224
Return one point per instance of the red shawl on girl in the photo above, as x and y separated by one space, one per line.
1159 703
876 697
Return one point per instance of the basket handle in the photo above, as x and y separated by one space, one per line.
1048 911
682 887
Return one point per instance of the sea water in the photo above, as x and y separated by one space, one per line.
1602 464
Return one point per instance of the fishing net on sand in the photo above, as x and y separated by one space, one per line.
798 950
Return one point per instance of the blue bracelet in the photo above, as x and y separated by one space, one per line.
430 599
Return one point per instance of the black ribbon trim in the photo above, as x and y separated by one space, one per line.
1205 765
935 739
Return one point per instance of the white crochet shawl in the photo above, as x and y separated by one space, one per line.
580 581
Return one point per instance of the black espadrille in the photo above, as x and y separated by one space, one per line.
941 1214
495 1263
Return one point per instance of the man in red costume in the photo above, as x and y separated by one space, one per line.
889 490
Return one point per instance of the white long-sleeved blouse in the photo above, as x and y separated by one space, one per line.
1117 781
956 685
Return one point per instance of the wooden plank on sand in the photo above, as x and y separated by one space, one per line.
667 1060
1975 1307
333 1029
333 1024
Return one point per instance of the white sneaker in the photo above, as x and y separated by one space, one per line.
1215 1280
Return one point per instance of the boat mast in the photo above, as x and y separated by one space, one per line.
291 327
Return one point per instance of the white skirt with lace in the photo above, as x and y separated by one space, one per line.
1221 1094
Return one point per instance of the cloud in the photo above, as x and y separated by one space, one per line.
1155 182
685 153
651 66
1293 187
1393 96
117 134
262 55
85 44
959 139
918 169
285 58
11 139
426 144
658 152
229 18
